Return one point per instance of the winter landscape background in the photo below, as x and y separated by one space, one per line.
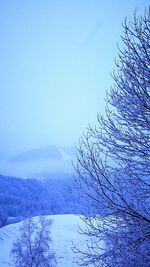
56 60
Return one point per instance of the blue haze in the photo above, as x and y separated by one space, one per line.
55 64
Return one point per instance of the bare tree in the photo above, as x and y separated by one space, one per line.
3 217
32 248
114 160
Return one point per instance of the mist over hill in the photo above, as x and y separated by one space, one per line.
50 152
43 162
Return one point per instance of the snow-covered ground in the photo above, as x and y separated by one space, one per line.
63 233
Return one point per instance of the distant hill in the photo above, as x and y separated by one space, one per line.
39 162
49 152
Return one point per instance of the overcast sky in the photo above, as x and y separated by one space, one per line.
55 64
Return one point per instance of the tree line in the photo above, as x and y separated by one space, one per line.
22 198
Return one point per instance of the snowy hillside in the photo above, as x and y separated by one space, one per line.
63 233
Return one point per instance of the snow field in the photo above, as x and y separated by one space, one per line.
64 232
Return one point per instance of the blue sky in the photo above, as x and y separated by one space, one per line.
55 64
